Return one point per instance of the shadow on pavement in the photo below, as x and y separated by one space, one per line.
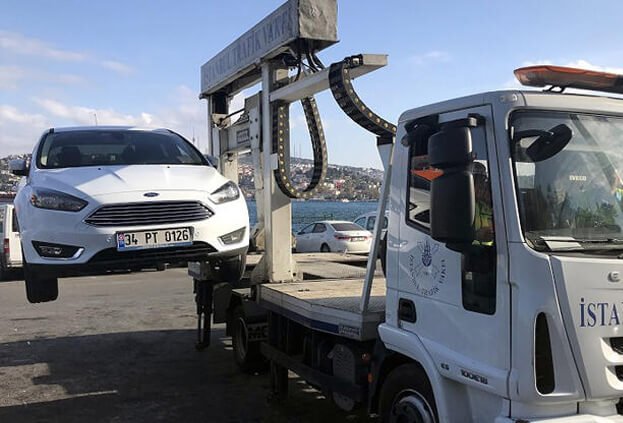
12 275
143 377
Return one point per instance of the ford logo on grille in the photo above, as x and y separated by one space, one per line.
151 194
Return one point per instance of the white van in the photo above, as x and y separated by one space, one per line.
11 253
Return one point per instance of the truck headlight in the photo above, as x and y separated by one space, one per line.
56 200
228 192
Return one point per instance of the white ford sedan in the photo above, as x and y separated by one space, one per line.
96 199
333 235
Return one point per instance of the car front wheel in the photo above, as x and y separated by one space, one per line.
39 289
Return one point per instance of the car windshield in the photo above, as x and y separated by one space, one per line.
346 227
114 147
569 187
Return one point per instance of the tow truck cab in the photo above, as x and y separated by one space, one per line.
517 317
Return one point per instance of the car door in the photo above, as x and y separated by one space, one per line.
318 237
303 238
15 243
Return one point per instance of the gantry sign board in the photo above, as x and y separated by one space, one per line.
237 65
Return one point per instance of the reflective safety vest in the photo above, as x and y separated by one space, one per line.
483 219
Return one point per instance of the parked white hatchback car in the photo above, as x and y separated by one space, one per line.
333 235
97 199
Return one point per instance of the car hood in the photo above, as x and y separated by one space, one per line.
102 180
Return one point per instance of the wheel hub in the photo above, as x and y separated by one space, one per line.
411 407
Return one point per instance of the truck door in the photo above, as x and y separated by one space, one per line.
461 300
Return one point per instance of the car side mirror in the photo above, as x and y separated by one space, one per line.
212 160
19 167
452 193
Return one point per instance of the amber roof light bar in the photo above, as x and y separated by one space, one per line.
565 77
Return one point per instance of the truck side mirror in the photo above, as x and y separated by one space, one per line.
452 193
19 167
547 143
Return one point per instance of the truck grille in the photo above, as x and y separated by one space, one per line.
153 213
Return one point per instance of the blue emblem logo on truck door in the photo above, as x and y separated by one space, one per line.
427 272
151 194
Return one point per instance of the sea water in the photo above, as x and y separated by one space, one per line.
309 211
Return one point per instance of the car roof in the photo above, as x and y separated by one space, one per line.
329 222
109 128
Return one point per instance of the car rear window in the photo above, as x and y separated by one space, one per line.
115 147
346 227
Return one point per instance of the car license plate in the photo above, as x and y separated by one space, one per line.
154 239
358 238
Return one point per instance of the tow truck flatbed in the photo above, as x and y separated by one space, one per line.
328 305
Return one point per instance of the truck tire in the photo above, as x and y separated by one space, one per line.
231 269
39 289
406 395
246 354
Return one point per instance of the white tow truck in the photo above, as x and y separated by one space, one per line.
502 299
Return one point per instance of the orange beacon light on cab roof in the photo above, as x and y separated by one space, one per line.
565 77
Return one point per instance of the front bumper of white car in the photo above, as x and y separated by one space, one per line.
64 243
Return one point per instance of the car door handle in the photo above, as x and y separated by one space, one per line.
406 310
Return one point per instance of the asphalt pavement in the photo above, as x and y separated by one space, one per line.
120 348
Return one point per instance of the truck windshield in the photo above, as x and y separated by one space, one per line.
570 190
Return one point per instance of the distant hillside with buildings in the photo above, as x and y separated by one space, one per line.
8 181
341 182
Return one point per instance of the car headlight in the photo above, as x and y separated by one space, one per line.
56 200
228 192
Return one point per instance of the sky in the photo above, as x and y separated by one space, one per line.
137 62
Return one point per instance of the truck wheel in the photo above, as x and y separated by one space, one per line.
247 354
325 248
39 289
406 396
231 269
161 267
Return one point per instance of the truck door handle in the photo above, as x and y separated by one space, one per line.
406 310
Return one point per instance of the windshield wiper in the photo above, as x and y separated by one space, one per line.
569 243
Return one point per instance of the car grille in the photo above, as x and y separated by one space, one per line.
153 213
198 251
